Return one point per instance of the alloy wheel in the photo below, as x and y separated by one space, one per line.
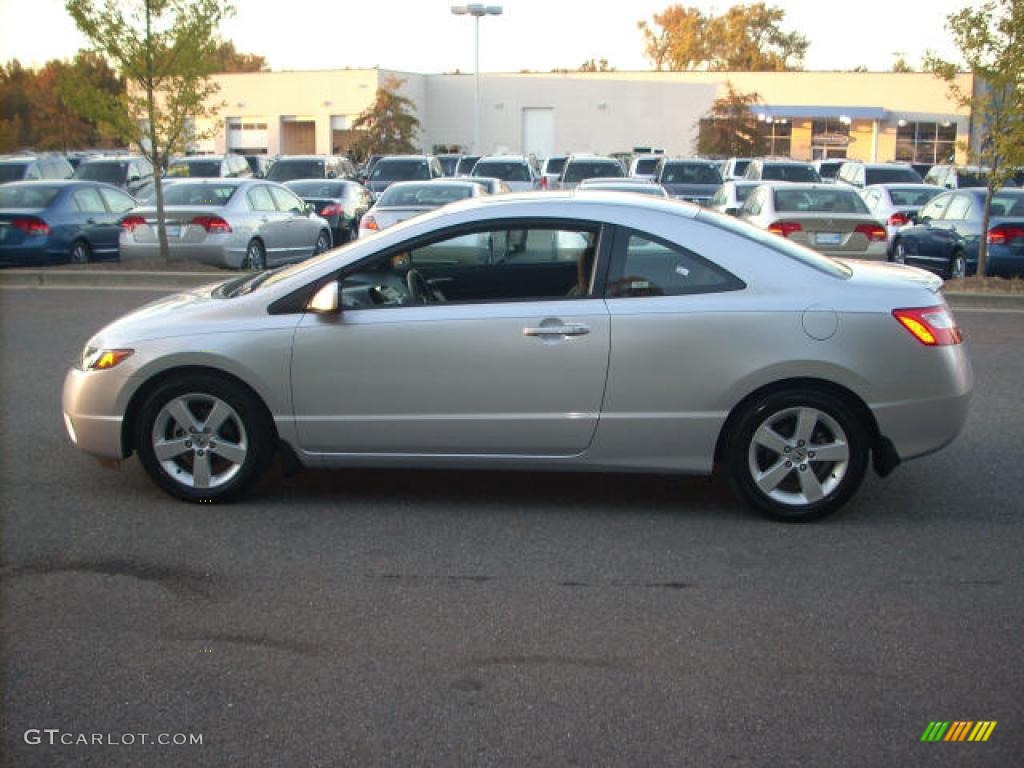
199 441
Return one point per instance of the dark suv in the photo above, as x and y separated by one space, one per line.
394 168
129 173
210 167
291 167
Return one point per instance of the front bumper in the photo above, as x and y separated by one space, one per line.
93 406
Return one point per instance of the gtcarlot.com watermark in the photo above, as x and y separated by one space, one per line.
56 737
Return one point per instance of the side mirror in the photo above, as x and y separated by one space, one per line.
326 300
732 211
133 179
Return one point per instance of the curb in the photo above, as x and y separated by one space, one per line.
176 281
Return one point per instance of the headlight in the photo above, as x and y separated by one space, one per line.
94 359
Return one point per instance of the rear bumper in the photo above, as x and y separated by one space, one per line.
217 255
1004 261
31 255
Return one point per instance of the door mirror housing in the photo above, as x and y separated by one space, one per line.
732 211
326 301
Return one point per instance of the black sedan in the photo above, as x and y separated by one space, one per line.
947 232
341 203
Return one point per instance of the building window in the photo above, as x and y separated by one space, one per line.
925 142
778 137
830 137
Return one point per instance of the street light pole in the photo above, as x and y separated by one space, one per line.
476 10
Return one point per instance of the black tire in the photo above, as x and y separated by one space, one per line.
800 478
323 242
899 253
255 256
248 426
957 268
80 252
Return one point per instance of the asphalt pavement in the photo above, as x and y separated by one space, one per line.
401 618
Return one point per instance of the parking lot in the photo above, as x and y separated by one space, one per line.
440 618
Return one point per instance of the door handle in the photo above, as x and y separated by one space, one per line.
569 329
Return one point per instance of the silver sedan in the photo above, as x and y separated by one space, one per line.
598 332
235 223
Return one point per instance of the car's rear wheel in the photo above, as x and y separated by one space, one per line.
957 266
798 455
899 252
202 438
80 252
323 242
255 256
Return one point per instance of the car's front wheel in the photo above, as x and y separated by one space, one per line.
899 252
202 438
798 455
323 242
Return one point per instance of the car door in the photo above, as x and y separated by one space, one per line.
947 232
272 224
520 374
300 231
118 204
924 242
95 223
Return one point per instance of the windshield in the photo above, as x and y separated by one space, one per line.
466 164
1008 204
819 201
502 169
690 173
423 195
317 188
286 170
109 172
579 170
782 245
448 164
199 169
647 165
891 175
27 196
198 194
396 170
912 196
789 173
12 171
555 165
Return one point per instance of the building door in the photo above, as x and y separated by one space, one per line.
298 137
539 131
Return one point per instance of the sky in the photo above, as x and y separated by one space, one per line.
424 36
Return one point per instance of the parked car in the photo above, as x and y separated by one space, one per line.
636 184
644 166
259 165
388 354
367 168
963 176
580 167
733 168
829 218
489 184
129 172
341 203
394 168
233 223
466 164
692 180
769 169
860 175
46 222
515 170
291 167
895 205
34 167
405 199
209 167
448 163
948 231
551 171
146 194
729 197
828 169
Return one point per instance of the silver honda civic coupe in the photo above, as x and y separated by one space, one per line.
588 331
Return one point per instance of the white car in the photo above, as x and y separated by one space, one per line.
405 199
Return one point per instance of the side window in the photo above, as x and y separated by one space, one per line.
959 209
285 200
754 202
644 265
935 207
872 199
260 199
88 200
33 172
117 201
525 263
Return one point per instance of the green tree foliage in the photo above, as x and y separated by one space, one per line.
227 59
990 38
388 126
745 38
730 129
596 65
165 50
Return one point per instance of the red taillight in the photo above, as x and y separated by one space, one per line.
1004 233
874 232
31 226
213 224
332 210
129 223
785 228
899 219
932 326
369 223
543 182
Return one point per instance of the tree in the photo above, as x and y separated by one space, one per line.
744 38
990 39
389 126
229 60
729 128
900 64
600 65
165 52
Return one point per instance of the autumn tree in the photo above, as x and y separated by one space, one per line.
165 52
227 59
990 39
730 129
388 126
745 38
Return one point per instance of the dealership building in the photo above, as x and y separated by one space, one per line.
871 116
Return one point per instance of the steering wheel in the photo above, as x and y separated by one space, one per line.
419 291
